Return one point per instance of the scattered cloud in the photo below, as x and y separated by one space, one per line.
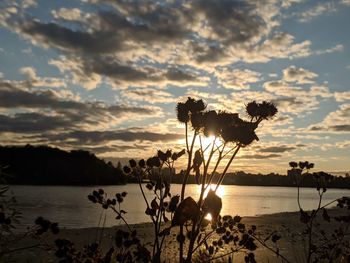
342 96
336 48
321 8
236 79
70 14
259 156
121 41
336 121
321 91
298 75
278 149
99 137
48 109
148 95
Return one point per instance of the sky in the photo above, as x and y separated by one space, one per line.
105 75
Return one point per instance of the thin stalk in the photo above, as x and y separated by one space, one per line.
224 255
269 248
226 168
311 227
195 229
220 157
203 240
144 197
186 136
183 188
121 217
189 166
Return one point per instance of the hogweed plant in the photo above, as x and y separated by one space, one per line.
230 133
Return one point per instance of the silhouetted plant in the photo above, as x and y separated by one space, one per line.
326 245
67 253
231 133
127 246
164 204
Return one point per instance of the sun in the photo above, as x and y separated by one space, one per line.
207 140
207 143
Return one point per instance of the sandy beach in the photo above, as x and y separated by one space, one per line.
292 244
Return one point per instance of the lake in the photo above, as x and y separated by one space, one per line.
69 205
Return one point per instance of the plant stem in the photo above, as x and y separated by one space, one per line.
226 168
269 248
183 188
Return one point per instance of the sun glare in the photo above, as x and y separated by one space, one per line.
207 140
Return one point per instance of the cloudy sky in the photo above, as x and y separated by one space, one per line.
105 75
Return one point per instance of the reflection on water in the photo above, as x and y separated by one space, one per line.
70 207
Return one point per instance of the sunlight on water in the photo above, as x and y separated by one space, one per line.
70 207
220 192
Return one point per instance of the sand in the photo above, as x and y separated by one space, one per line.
292 244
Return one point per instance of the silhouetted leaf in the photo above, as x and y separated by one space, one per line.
304 216
154 204
212 204
325 215
173 203
187 210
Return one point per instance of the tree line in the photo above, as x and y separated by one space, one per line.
44 165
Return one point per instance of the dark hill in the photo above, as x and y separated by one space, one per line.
44 165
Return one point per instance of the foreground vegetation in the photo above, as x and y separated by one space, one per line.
198 237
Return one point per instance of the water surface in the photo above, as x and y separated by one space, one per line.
69 205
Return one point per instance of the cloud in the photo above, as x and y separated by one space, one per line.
29 72
336 48
236 79
33 122
148 95
55 35
279 45
60 110
336 121
278 149
89 73
298 75
293 99
315 11
259 156
70 14
131 38
98 137
342 96
321 91
231 21
37 81
28 3
288 3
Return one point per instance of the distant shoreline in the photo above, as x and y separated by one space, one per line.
97 185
